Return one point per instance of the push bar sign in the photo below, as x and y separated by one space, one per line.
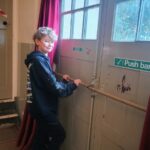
132 64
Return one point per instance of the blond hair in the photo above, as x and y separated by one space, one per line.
43 31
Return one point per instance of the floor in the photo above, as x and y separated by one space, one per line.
8 137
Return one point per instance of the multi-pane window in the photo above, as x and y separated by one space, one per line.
131 21
80 19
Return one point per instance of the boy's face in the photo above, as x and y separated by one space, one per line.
45 45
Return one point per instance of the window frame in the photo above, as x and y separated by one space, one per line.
85 9
141 5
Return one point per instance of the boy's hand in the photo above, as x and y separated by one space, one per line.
66 77
77 82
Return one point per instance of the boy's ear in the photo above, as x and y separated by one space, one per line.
37 41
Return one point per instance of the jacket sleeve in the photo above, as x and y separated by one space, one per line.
43 72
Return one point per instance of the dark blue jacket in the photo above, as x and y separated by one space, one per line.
45 87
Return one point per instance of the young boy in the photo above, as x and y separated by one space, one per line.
44 92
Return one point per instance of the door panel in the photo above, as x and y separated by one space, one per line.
117 126
5 51
78 60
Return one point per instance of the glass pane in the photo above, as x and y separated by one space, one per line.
66 26
78 23
91 29
144 26
79 4
93 2
126 18
66 5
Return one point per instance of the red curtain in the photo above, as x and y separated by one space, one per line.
145 139
49 16
27 131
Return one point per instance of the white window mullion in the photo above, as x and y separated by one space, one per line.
84 24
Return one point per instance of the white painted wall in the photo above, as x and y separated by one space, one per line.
28 13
